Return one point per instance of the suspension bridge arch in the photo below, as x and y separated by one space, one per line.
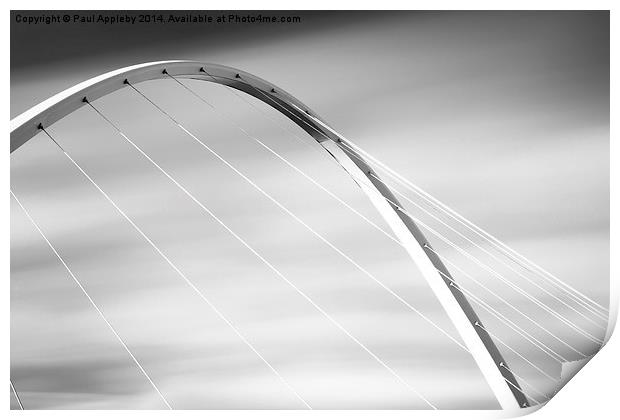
478 341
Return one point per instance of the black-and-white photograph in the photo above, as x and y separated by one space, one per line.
306 209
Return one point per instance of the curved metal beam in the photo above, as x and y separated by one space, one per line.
26 125
484 351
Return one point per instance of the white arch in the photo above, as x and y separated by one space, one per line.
484 351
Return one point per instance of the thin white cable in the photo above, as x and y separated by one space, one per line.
520 331
504 279
587 308
504 301
183 128
286 161
481 232
277 123
499 340
92 302
19 401
294 134
429 200
487 268
495 273
199 97
300 221
518 388
284 129
267 263
418 221
182 275
502 365
604 327
387 169
509 323
523 381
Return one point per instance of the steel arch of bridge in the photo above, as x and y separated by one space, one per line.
480 344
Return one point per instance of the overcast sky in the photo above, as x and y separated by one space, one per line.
503 116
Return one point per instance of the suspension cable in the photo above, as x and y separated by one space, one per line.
490 254
518 388
354 155
278 106
300 221
283 159
504 366
262 112
500 277
19 401
181 274
310 144
489 269
554 380
393 204
296 136
505 320
485 235
546 349
588 304
92 302
528 384
263 259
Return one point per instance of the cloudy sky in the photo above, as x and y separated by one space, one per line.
503 116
